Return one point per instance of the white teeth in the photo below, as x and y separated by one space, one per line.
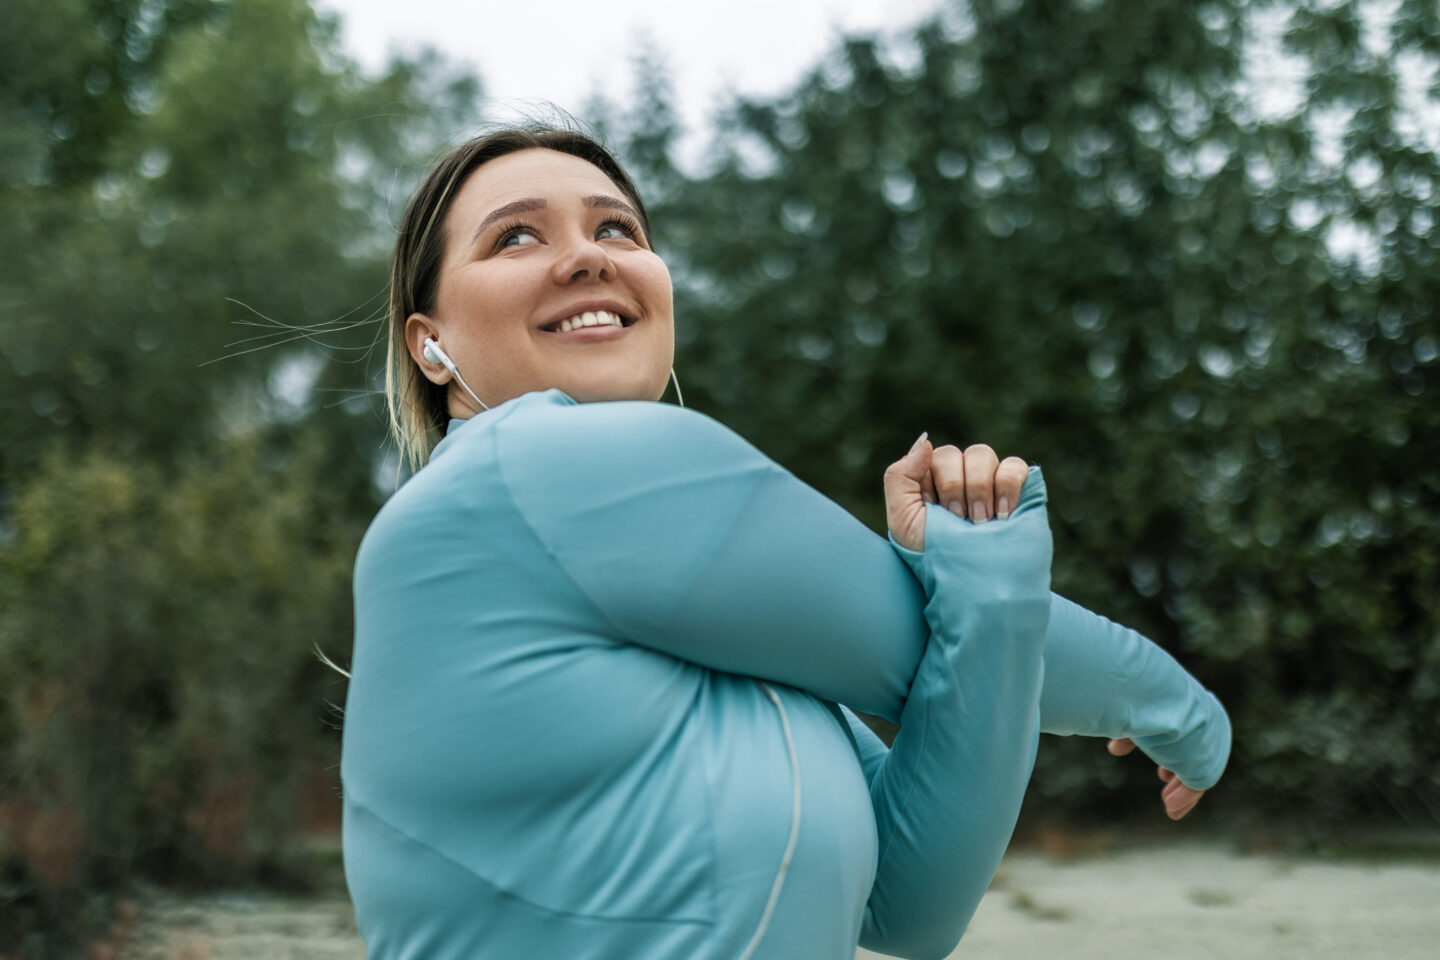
590 318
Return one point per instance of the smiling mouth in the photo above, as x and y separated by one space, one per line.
590 318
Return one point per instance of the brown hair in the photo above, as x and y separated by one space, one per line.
418 409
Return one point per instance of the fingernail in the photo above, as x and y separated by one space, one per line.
920 442
1002 509
979 513
956 507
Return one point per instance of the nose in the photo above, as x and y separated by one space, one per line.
583 257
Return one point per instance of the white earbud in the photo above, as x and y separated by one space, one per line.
435 354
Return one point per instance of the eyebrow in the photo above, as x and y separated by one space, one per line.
509 210
613 203
529 204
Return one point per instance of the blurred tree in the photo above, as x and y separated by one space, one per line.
174 537
169 165
1070 228
163 701
1073 230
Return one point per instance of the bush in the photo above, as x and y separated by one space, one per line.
163 706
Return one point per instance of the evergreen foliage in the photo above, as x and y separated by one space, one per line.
176 535
1077 232
1073 229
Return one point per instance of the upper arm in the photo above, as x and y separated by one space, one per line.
690 541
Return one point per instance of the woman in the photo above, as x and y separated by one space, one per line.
600 645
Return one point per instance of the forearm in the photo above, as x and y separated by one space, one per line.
1105 680
947 795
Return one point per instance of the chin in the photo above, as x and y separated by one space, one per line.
630 384
601 393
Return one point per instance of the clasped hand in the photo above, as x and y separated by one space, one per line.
977 485
974 484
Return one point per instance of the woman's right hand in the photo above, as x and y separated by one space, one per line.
974 483
1178 798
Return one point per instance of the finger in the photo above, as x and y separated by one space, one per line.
1164 774
980 466
908 476
947 467
915 465
1009 478
1120 748
904 495
1179 799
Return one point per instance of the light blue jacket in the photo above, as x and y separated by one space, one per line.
598 653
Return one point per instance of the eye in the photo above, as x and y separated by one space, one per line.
516 235
618 229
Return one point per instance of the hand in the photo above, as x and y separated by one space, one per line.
1178 798
975 484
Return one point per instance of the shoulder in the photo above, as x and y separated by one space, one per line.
598 479
558 463
551 415
549 431
540 448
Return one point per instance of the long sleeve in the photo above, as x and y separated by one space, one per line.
747 570
947 796
1105 680
1100 679
693 543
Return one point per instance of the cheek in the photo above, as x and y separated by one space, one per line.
659 289
488 307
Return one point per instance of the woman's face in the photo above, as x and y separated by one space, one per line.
547 281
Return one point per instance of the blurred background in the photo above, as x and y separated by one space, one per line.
1183 254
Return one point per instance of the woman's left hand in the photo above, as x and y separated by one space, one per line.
1178 798
974 483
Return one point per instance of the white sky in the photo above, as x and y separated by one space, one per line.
532 51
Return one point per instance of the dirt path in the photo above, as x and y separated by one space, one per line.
1179 903
244 927
1205 903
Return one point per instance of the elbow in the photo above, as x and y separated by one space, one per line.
917 938
916 947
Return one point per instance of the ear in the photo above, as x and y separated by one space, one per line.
417 328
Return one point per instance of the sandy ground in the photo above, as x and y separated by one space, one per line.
1205 903
1177 903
